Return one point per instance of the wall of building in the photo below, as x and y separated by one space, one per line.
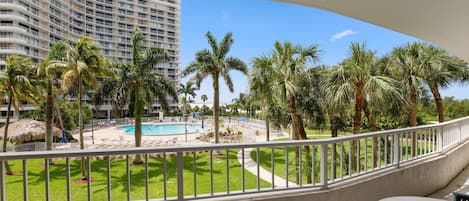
31 27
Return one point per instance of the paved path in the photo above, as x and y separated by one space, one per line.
459 184
264 174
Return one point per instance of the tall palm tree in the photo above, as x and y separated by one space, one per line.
49 69
204 98
140 83
215 63
408 66
289 63
84 65
441 70
185 90
16 84
355 79
261 86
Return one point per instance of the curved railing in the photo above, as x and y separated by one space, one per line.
303 164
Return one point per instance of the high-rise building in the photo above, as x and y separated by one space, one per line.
31 27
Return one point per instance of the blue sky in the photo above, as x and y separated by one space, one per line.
257 24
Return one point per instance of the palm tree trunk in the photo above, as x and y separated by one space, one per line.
138 111
109 107
439 103
203 110
49 108
295 136
59 114
359 102
372 123
184 116
267 129
84 175
299 134
334 133
215 108
413 120
5 133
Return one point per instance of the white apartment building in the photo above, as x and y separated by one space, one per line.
31 27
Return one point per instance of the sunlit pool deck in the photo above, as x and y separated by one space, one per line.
116 136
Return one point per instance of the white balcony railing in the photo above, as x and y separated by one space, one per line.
328 161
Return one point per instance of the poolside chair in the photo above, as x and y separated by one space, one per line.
156 143
460 196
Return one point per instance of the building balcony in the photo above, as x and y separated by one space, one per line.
370 166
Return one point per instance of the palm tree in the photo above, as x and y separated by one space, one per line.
355 79
261 86
310 96
408 65
440 71
84 65
105 94
204 98
216 64
188 89
140 84
289 63
120 94
49 69
16 84
242 102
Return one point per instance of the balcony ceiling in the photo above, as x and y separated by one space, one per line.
445 23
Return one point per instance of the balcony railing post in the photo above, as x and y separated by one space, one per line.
396 149
440 139
323 163
180 178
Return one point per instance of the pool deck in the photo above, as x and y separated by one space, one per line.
114 133
115 137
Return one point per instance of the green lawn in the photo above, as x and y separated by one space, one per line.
316 133
14 184
280 164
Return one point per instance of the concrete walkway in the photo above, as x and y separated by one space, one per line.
459 184
251 166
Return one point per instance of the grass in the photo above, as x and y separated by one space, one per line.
322 133
14 186
280 164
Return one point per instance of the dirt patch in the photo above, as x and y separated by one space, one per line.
81 181
50 164
14 174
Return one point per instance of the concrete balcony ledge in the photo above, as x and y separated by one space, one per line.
418 178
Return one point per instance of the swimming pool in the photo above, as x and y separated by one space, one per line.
163 129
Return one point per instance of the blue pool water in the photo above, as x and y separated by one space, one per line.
163 129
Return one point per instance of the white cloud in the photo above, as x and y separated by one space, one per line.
342 34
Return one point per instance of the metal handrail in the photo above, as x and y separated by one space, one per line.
397 146
190 148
